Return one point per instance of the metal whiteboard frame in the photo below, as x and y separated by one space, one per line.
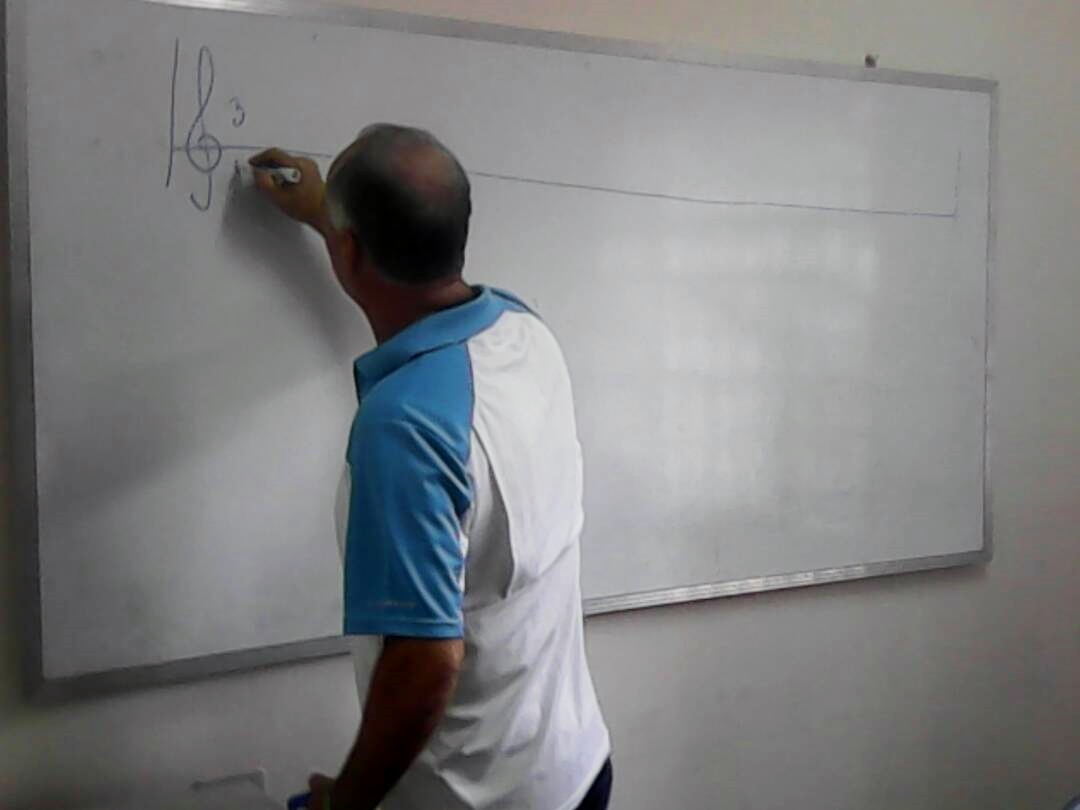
14 205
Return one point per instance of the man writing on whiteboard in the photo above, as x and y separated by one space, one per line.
465 505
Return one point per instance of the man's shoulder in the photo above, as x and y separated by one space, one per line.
432 392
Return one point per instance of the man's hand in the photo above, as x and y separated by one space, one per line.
411 687
304 201
320 786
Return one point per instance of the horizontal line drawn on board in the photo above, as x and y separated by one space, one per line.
251 147
842 209
205 152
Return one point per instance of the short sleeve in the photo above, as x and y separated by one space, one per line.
404 549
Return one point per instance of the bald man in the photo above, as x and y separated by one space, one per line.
462 581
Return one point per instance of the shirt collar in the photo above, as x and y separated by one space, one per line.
443 328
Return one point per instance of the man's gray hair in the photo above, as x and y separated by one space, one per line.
406 200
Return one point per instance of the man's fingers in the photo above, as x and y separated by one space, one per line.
273 157
319 781
265 182
301 201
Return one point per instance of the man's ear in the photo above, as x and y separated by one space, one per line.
359 258
350 250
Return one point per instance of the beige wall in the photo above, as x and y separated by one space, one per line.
952 690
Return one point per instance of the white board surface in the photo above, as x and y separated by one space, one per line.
771 291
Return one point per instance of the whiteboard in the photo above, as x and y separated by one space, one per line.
770 283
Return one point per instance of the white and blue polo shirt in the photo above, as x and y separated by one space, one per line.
464 519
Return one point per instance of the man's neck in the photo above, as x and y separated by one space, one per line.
400 307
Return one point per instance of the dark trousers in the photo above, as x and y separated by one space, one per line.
600 793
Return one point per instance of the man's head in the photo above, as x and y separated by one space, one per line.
399 203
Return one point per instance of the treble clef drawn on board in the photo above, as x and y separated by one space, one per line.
203 150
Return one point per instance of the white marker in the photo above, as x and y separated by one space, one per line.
282 175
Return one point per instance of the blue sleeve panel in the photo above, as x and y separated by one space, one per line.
408 454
